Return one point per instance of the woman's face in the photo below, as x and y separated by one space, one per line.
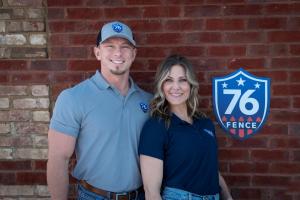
176 88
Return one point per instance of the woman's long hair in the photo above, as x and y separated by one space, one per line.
159 105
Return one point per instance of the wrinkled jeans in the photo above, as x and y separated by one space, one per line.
84 194
178 194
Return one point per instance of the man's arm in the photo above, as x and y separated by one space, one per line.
61 148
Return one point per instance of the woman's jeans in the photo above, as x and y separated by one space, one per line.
178 194
84 194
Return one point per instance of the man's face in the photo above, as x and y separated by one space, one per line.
116 56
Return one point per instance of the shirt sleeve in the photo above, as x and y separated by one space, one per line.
153 138
66 117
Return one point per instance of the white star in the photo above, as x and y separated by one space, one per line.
241 81
224 85
257 85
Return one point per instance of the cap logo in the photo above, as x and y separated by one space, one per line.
117 27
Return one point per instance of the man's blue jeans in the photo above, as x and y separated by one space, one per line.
177 194
84 194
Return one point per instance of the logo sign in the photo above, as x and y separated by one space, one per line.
241 103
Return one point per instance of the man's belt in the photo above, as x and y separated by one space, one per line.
132 195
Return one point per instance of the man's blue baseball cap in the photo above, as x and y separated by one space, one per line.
115 29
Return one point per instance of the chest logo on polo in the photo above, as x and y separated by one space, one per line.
144 107
241 103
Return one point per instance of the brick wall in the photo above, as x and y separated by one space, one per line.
219 36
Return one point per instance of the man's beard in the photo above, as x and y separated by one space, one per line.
118 72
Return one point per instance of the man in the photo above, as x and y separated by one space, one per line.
101 119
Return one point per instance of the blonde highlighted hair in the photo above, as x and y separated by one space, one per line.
159 105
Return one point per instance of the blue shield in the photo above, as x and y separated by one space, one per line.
241 103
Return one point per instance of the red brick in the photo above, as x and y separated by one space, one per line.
31 178
224 24
249 167
276 76
238 180
258 50
275 9
56 13
279 143
13 65
286 63
161 11
279 50
40 164
267 23
243 9
147 52
140 64
149 25
234 154
70 77
125 12
243 37
188 51
280 102
203 37
84 13
53 3
4 78
284 116
295 49
200 11
259 142
58 40
33 77
247 193
104 3
293 23
294 142
15 165
247 63
83 65
296 155
68 52
209 64
270 180
137 2
83 39
205 90
56 89
143 77
269 155
284 36
294 130
295 76
164 38
7 178
68 26
48 65
296 102
183 25
219 51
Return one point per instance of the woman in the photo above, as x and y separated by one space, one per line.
178 147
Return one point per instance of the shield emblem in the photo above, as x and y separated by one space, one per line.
241 103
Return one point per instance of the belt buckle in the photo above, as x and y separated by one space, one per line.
120 195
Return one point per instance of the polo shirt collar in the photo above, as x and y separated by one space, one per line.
101 83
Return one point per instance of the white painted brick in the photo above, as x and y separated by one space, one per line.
4 128
4 103
40 140
15 39
40 90
31 128
35 13
42 190
30 153
37 39
2 26
31 103
5 153
41 116
19 115
2 40
15 190
12 90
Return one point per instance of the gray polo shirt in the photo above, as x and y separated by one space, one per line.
107 126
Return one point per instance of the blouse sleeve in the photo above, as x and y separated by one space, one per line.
153 138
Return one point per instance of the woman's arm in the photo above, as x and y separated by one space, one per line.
224 189
152 174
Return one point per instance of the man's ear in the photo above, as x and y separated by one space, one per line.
97 53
